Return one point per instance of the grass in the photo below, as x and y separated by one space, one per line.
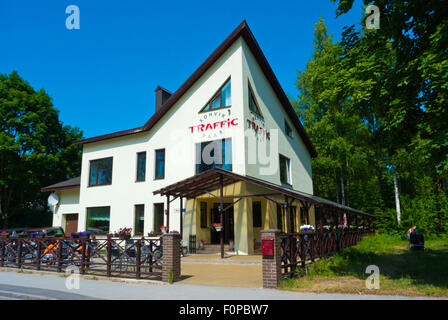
402 272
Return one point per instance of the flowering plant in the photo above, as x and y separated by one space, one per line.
125 233
38 233
306 227
4 234
23 234
77 234
217 225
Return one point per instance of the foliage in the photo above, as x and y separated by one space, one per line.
36 150
374 105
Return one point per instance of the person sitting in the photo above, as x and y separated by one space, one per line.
50 252
411 230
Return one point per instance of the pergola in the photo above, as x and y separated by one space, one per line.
216 179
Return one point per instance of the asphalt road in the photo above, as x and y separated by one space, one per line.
24 286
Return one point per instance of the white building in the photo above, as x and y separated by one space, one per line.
234 99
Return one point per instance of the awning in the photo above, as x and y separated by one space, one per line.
209 181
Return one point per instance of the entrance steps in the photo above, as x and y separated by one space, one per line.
214 249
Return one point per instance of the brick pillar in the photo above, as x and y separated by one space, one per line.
171 257
272 264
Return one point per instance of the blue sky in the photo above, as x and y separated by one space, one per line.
102 77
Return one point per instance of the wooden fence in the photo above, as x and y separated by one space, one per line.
136 258
298 249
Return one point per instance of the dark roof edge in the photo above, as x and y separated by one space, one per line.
67 184
244 31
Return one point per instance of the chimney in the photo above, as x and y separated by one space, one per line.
162 95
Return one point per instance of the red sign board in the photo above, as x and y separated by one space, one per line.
267 247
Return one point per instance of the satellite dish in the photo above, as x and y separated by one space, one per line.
53 200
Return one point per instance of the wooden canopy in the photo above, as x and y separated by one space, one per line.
209 180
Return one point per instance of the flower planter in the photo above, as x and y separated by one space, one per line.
219 229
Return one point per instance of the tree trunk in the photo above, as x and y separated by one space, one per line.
347 189
336 188
342 191
397 197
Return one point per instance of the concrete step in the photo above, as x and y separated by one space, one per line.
213 248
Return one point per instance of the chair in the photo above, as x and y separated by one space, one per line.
130 256
184 250
116 257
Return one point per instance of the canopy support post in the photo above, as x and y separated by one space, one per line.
221 213
168 212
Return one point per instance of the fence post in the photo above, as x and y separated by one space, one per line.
38 253
271 265
138 258
171 257
2 261
19 253
109 256
83 256
59 254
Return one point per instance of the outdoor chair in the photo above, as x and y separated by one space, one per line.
184 250
116 258
130 256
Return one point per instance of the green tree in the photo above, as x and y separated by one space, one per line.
343 170
395 81
35 150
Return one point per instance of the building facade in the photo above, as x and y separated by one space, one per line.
230 114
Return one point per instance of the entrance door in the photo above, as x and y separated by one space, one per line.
71 223
228 224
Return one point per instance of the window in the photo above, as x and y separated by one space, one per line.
288 129
139 218
285 170
160 164
98 217
253 105
158 216
100 172
279 217
204 215
214 154
256 214
221 99
141 166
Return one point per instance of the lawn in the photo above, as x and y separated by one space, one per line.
402 272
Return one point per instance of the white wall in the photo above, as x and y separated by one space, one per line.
274 117
172 132
68 204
